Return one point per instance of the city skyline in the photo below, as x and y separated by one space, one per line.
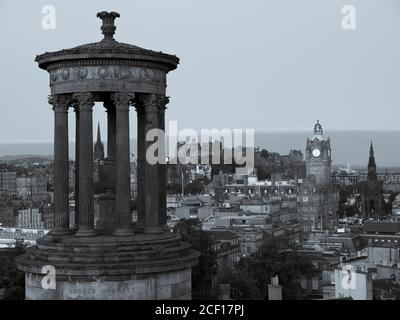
254 158
347 147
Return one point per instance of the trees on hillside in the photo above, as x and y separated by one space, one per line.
203 273
276 257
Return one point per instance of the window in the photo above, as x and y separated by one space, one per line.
314 284
303 283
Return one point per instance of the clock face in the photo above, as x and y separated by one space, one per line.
316 153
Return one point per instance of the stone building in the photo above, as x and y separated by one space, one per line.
30 218
32 187
345 176
7 216
226 246
318 197
8 182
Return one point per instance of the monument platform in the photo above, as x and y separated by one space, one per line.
138 267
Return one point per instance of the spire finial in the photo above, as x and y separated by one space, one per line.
108 28
371 149
318 128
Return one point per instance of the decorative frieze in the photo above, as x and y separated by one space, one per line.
113 72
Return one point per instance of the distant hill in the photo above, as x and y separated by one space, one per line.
26 157
348 146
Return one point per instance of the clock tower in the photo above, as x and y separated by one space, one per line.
318 156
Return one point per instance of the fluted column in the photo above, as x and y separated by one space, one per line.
162 168
141 162
151 185
61 194
122 102
85 103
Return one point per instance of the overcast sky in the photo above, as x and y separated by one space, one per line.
270 65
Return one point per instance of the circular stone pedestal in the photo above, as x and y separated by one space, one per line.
142 267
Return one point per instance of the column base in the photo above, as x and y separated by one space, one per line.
123 232
138 227
86 233
60 232
153 230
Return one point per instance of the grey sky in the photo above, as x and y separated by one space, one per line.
271 65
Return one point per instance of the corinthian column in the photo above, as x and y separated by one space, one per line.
151 176
61 202
85 103
122 102
76 109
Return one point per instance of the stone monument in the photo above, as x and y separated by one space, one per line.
121 259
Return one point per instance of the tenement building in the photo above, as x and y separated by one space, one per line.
8 182
124 260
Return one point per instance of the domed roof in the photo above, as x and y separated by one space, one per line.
107 48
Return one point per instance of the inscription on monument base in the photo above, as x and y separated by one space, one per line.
123 290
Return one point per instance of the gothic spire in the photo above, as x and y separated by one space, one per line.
371 164
98 133
98 146
371 150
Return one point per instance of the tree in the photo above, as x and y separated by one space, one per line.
174 188
243 286
12 279
19 245
276 257
204 272
194 187
264 154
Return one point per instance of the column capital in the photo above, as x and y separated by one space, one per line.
122 100
152 102
85 101
60 102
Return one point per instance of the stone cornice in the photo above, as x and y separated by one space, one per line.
106 62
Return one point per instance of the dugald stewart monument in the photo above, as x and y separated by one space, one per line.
120 258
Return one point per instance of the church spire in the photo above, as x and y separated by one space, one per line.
371 150
371 164
98 133
98 146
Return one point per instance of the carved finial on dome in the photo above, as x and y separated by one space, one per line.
108 28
